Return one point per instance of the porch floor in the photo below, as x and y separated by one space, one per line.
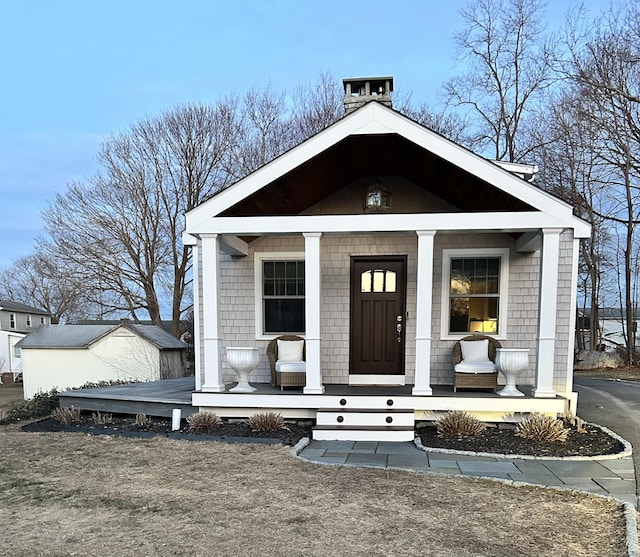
158 398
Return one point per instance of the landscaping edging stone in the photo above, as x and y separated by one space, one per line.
628 451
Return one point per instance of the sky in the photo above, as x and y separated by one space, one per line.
76 71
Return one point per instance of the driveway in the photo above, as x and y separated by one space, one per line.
614 404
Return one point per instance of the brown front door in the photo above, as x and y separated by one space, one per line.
377 315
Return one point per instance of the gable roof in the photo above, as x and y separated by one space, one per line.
83 336
8 305
378 138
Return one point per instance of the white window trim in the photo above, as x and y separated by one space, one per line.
447 255
28 320
258 258
13 321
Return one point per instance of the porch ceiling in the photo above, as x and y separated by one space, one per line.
374 155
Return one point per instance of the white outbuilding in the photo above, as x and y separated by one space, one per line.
68 356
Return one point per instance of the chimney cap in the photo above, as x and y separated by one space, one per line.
360 90
375 82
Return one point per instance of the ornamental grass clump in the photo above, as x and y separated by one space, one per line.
266 421
546 429
142 420
203 422
459 424
102 418
67 416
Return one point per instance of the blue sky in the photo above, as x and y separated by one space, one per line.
75 71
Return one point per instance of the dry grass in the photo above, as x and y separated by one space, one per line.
10 396
93 495
624 374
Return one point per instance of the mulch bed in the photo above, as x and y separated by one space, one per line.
503 440
125 425
499 439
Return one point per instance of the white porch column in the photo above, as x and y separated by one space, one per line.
197 339
312 275
211 314
548 301
424 302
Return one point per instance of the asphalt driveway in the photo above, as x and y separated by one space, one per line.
614 404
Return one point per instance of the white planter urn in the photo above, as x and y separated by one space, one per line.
510 362
243 360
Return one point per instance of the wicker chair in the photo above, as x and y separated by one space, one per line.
289 378
479 379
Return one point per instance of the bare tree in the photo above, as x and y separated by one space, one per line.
507 60
121 231
38 281
603 64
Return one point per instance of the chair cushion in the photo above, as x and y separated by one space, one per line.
475 350
290 350
475 367
284 367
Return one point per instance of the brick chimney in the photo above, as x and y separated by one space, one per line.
360 90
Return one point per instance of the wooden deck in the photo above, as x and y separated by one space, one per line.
154 398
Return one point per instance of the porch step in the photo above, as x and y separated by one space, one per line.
364 424
363 433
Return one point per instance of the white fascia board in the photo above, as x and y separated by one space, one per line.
449 222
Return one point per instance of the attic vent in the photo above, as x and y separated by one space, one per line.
360 90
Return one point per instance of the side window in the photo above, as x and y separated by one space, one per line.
12 320
474 291
283 297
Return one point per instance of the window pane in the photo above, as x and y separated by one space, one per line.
280 269
459 315
474 315
378 281
268 272
390 282
284 315
365 281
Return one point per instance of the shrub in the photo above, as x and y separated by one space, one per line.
67 416
203 422
459 424
266 421
142 420
102 418
538 427
41 405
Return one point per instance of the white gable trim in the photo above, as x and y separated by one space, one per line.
375 118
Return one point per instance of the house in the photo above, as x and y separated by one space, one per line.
67 356
10 356
21 318
612 327
382 243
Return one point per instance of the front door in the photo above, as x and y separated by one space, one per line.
377 315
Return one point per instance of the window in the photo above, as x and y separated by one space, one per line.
378 280
28 321
12 320
474 291
42 321
17 354
281 284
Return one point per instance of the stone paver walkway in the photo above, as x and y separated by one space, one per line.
613 477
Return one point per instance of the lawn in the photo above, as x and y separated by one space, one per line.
74 494
10 395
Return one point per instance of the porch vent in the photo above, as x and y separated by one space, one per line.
358 91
